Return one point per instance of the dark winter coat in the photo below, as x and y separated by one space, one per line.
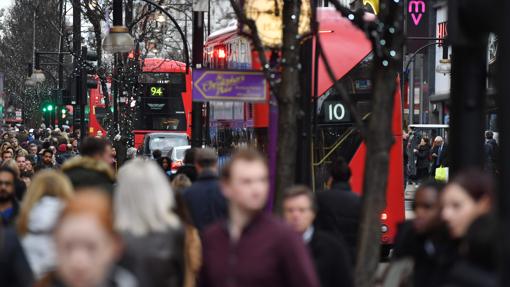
205 200
189 170
423 157
156 259
42 166
491 156
433 254
14 268
20 188
339 214
442 159
332 260
477 264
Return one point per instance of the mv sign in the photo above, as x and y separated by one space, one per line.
416 9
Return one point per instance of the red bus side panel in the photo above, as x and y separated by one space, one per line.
394 211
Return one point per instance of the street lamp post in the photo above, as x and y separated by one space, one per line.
181 33
118 40
442 68
198 58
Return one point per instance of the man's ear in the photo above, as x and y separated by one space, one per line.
225 189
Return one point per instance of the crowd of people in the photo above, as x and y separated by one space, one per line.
70 216
422 158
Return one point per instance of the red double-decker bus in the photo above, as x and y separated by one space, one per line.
349 52
164 105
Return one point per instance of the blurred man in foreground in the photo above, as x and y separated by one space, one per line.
252 248
331 256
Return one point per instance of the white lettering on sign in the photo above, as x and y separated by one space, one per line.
336 112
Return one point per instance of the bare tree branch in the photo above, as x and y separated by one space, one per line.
341 90
259 47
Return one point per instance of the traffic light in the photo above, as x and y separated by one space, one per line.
48 107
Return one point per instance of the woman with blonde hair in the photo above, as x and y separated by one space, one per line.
46 197
4 146
152 232
87 245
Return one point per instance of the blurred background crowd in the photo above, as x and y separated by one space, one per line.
70 216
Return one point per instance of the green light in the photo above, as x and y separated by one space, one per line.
44 109
64 111
50 108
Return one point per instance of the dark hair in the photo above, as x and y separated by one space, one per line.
92 146
339 170
6 151
475 182
301 190
436 186
156 154
489 135
28 174
47 151
481 245
9 170
189 156
160 162
249 155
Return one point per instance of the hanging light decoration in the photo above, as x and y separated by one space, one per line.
268 17
118 39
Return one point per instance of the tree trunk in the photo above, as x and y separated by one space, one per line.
288 96
379 140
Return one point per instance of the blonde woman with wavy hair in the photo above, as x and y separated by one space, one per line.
151 231
46 197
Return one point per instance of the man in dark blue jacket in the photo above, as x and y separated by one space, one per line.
339 208
204 198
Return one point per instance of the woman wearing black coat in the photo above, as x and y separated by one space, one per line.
422 152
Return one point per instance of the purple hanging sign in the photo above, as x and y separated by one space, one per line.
224 85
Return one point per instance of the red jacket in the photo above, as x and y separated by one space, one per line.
268 254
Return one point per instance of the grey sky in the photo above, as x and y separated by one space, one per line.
5 3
